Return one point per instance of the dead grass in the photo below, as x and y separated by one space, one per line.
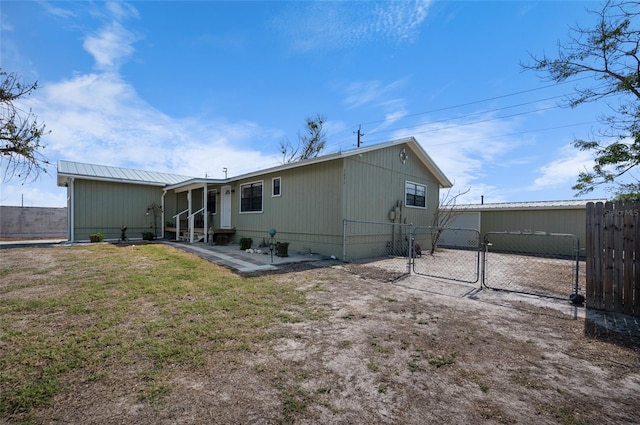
98 334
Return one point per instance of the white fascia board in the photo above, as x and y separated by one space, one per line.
193 184
62 180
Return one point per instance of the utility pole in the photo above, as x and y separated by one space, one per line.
360 134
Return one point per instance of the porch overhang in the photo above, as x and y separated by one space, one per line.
193 184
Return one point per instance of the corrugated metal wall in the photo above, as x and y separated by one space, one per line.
105 206
569 221
551 221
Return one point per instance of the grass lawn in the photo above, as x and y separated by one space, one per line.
149 335
101 308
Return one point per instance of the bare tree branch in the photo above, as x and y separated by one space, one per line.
309 145
20 132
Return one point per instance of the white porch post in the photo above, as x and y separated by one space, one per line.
206 214
191 221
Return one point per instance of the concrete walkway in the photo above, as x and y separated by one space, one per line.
233 257
26 243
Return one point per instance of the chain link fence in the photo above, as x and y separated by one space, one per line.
383 246
538 263
447 253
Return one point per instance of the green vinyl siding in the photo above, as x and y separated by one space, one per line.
105 207
313 199
307 213
376 183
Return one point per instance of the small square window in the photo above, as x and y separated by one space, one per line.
276 187
415 195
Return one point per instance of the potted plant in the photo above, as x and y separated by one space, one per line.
282 249
148 236
96 237
245 243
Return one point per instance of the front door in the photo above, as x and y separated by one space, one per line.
225 208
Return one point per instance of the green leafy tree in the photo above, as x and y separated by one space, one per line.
609 53
20 132
310 144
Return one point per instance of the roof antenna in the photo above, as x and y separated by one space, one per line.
360 134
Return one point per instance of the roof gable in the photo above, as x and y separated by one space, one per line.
411 142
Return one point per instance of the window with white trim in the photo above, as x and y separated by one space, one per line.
276 188
415 195
251 197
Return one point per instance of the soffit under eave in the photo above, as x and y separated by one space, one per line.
185 187
63 179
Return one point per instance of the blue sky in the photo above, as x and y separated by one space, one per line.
195 87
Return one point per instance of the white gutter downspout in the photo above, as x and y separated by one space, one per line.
191 221
70 209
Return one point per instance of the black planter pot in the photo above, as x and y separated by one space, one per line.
282 249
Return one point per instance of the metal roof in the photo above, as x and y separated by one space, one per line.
540 205
411 142
71 169
101 172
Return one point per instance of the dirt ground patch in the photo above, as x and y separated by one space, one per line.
368 350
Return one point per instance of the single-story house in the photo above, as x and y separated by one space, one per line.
540 217
305 202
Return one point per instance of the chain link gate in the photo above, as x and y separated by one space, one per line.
537 263
383 246
447 253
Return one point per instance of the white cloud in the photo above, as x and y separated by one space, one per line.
99 118
466 153
110 46
360 93
121 10
32 195
374 94
400 20
564 169
313 26
56 11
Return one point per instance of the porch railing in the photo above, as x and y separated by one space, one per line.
177 219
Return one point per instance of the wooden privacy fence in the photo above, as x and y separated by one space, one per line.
613 257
